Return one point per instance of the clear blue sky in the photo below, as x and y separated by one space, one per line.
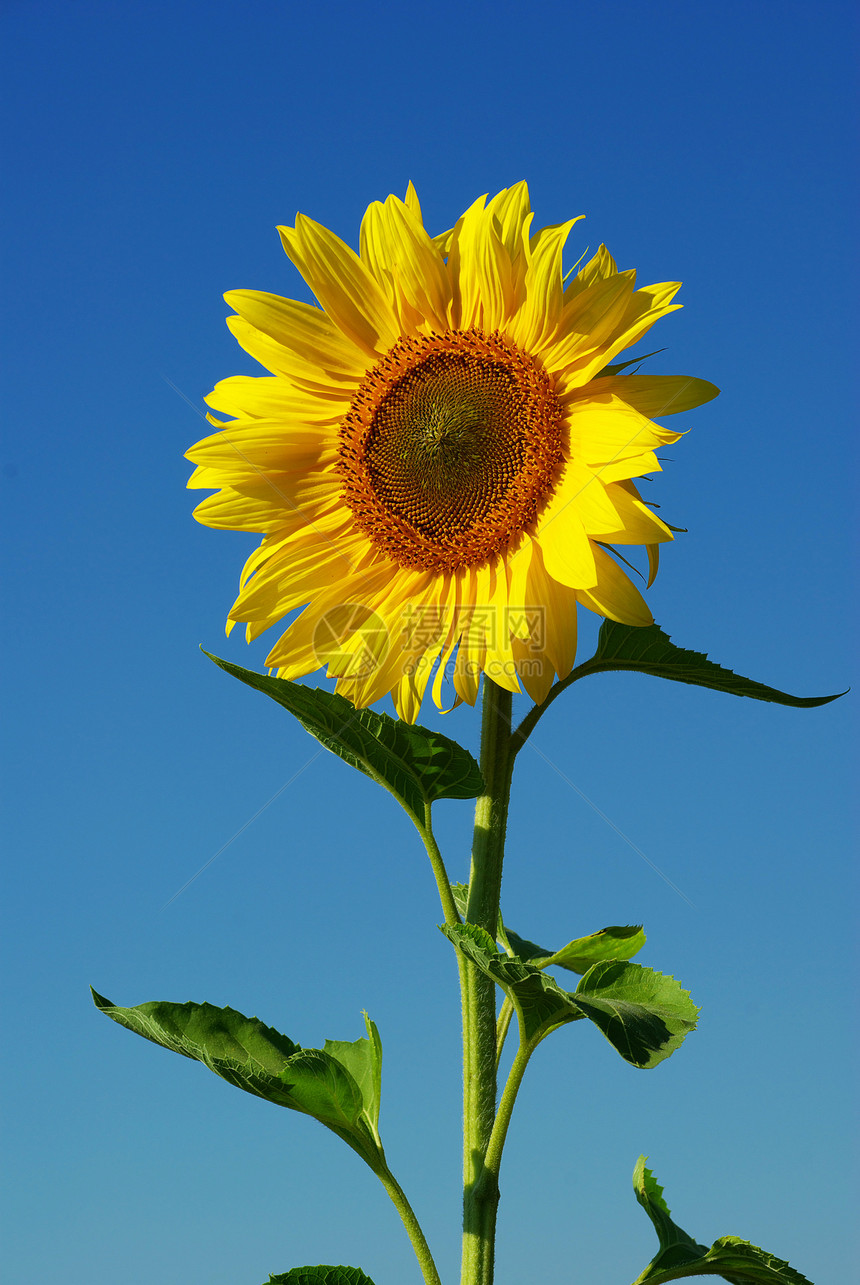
152 149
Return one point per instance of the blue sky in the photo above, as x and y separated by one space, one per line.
152 149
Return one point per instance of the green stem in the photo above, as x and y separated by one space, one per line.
413 1227
389 1182
480 1188
491 809
522 733
502 1025
493 1158
443 883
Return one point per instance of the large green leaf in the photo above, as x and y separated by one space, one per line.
679 1256
417 766
338 1085
647 650
643 1014
321 1275
614 942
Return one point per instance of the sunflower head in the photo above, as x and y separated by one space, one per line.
441 460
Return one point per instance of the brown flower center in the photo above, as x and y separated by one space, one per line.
451 447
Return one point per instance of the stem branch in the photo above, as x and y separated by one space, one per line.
493 1158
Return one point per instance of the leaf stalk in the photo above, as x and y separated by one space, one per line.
412 1225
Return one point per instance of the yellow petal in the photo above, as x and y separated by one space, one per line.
645 307
512 211
607 430
568 554
584 488
427 632
291 577
481 271
281 361
262 397
627 467
411 200
466 676
389 663
518 563
653 563
292 534
638 523
598 268
588 322
538 319
535 671
656 395
614 595
344 287
263 446
456 601
409 691
230 511
491 625
268 499
304 645
558 618
407 264
303 330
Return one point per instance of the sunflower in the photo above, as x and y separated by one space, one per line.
441 459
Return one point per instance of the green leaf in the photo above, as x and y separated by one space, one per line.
460 892
417 766
363 1059
679 1256
614 942
321 1275
338 1085
675 1245
646 649
540 1003
643 1014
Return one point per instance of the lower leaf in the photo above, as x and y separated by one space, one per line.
321 1275
735 1260
339 1084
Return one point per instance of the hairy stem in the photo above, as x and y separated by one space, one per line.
437 865
480 1187
493 1158
413 1227
502 1025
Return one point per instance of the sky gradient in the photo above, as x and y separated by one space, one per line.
152 149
